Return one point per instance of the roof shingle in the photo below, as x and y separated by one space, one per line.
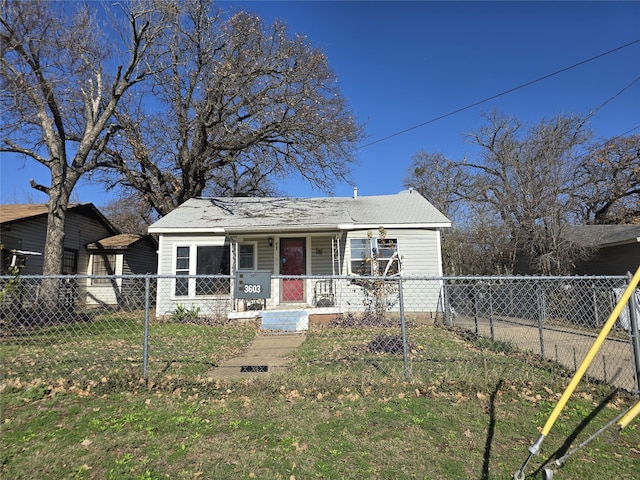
407 208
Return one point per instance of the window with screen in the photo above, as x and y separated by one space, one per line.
246 256
385 248
360 256
102 264
182 269
69 262
374 256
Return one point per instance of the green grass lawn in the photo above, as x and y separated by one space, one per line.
466 411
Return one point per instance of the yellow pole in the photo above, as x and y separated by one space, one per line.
535 448
630 415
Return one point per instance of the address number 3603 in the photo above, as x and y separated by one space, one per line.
252 288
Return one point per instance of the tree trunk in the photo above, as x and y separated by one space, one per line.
53 249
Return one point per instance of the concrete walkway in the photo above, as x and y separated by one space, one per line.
265 354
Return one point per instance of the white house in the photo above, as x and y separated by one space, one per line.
306 237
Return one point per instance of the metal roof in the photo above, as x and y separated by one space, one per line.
407 209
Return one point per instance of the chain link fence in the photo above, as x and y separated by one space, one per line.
557 319
97 330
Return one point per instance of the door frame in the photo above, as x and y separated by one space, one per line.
305 266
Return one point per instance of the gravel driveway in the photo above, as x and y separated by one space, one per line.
613 363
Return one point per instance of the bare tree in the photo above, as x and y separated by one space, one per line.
240 106
129 213
60 91
511 203
443 182
608 182
440 180
525 176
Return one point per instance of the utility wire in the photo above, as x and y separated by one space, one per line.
593 112
628 131
475 104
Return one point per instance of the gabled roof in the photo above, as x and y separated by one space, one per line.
601 236
12 213
407 209
118 242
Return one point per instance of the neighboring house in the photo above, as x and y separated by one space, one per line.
112 258
615 248
293 237
92 246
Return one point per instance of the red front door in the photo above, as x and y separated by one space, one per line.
292 262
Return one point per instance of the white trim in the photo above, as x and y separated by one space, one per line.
439 252
399 226
174 230
193 264
255 254
265 229
371 246
159 253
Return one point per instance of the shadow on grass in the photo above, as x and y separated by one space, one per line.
566 445
490 431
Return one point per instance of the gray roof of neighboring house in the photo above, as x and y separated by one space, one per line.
601 236
252 214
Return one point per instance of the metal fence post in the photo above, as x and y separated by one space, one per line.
475 309
635 338
541 316
403 329
145 349
490 290
594 295
446 308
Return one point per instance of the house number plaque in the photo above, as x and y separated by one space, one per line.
253 284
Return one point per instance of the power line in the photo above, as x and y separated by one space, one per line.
475 104
594 111
629 131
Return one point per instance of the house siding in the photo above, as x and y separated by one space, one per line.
420 255
321 256
30 234
166 300
105 293
616 260
266 254
418 250
140 258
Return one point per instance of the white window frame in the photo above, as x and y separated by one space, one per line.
101 256
214 294
372 244
255 255
176 270
193 262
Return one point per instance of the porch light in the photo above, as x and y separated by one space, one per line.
271 241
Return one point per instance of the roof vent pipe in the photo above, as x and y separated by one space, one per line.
355 192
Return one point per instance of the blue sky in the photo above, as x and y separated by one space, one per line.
403 64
